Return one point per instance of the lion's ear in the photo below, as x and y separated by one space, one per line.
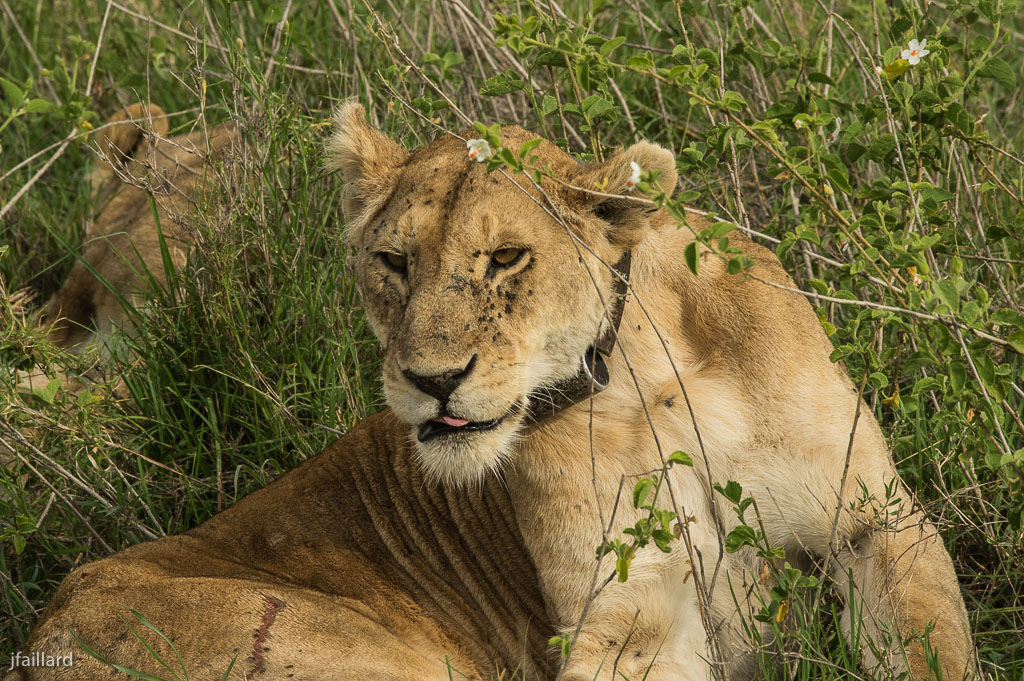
121 140
626 217
368 159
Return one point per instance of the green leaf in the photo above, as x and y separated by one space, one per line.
1008 317
643 62
820 286
691 255
424 104
840 353
925 97
564 642
506 156
622 568
900 25
708 56
86 398
596 105
60 73
39 106
583 75
881 148
502 84
12 93
19 543
740 536
807 582
808 234
936 194
999 70
49 392
529 146
662 539
641 490
611 45
494 134
838 178
736 264
451 59
732 491
817 77
732 101
896 69
785 246
958 116
549 105
1016 341
681 458
550 58
970 312
957 376
720 229
987 372
948 294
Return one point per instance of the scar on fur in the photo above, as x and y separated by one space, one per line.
274 606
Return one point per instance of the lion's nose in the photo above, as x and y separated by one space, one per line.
443 385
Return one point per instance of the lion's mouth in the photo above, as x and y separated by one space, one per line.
445 424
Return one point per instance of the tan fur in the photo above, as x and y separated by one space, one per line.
122 257
774 413
399 555
349 567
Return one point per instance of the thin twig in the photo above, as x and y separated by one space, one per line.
71 135
276 43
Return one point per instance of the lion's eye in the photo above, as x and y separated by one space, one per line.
395 261
504 257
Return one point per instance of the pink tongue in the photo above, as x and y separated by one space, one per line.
452 421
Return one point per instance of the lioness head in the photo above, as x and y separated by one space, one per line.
481 287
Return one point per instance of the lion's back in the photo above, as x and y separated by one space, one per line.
125 244
349 549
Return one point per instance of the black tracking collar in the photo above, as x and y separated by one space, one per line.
593 376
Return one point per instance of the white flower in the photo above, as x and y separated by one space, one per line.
834 135
634 178
479 150
798 124
915 51
917 279
879 70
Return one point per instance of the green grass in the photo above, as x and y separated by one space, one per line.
260 353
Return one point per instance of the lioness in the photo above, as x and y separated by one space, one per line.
402 548
122 256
